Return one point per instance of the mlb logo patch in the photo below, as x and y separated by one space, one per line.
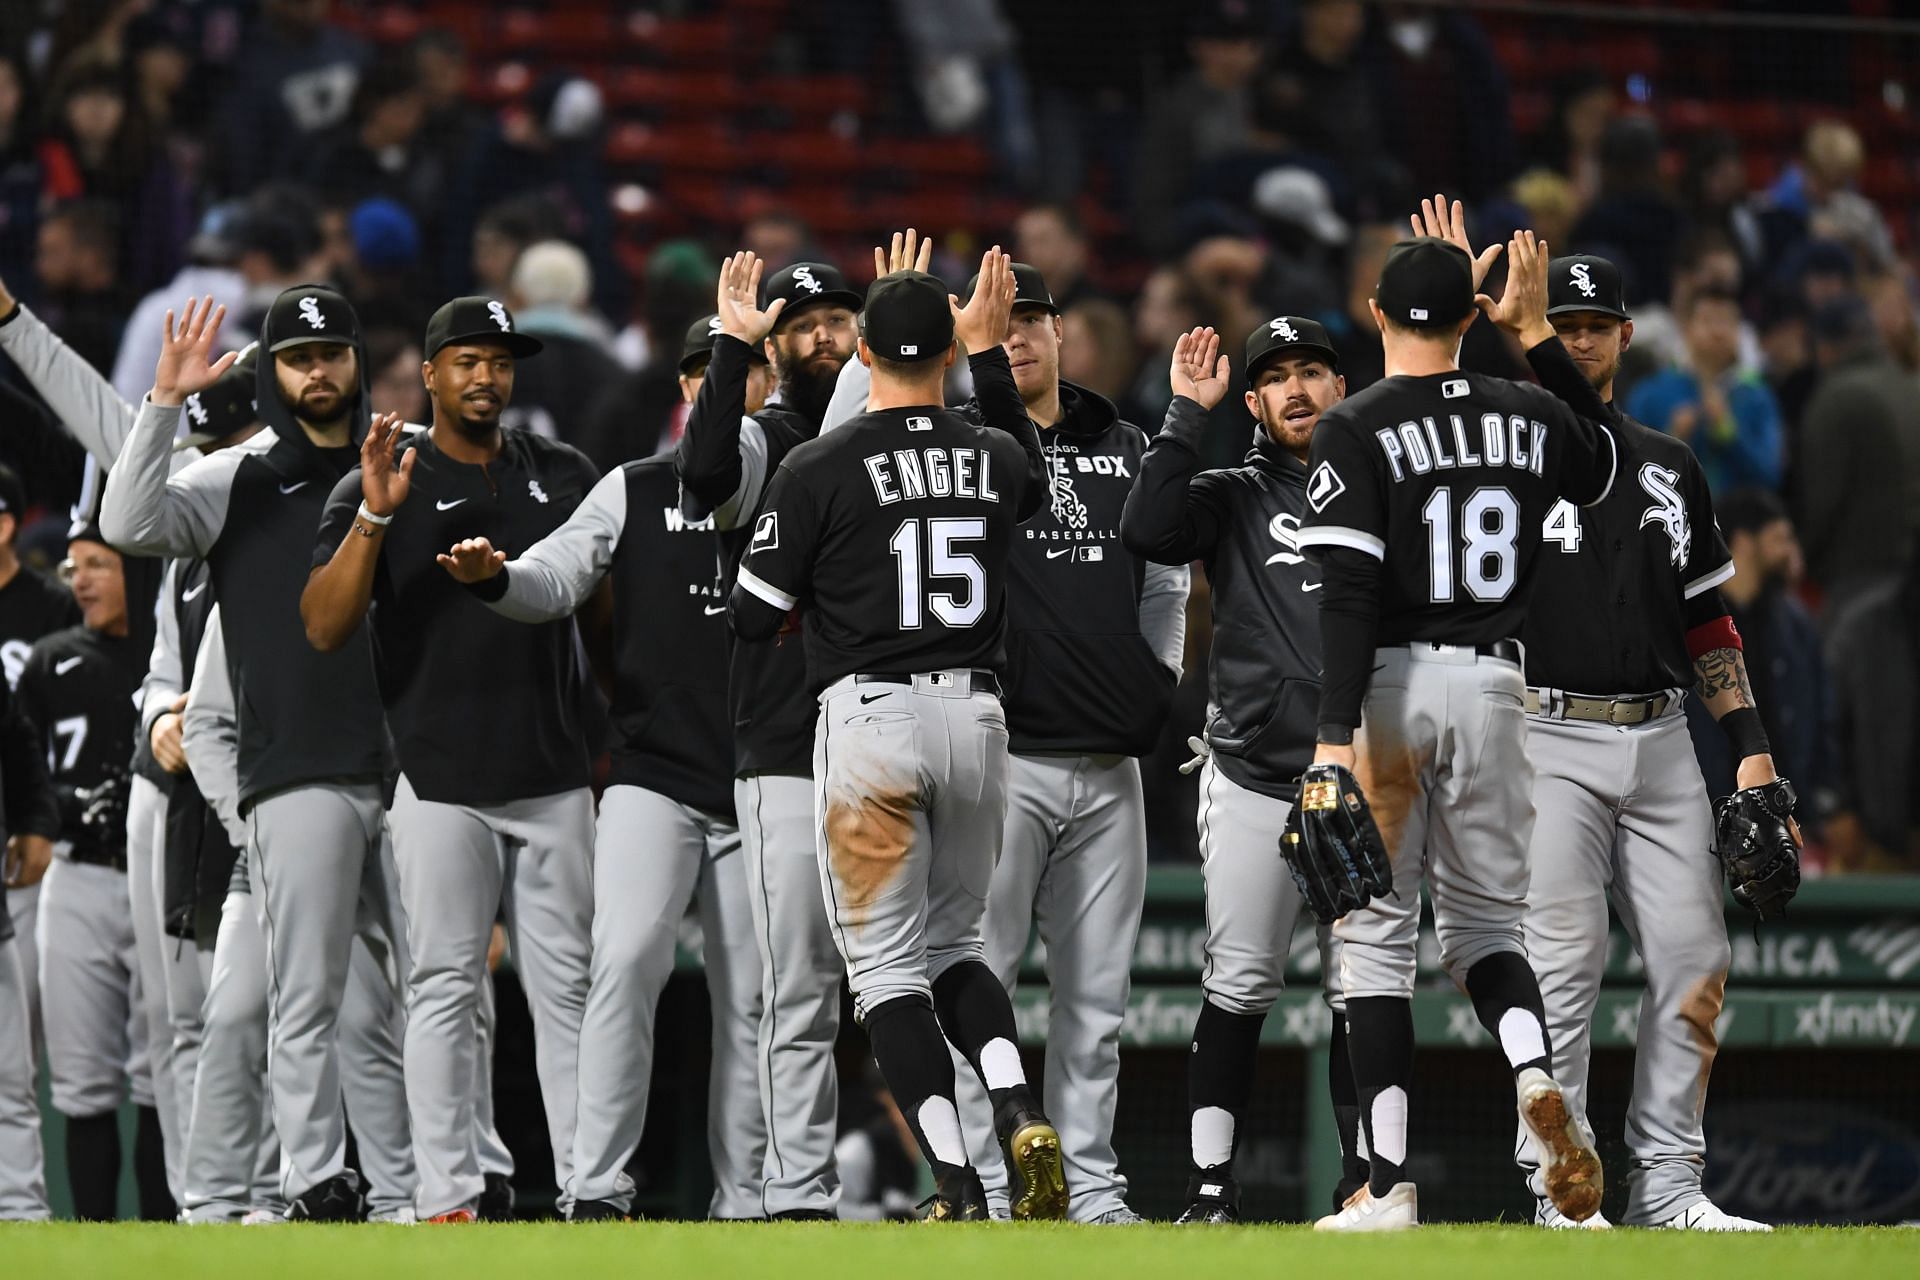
1453 388
1416 313
1323 486
918 423
1092 555
909 348
766 532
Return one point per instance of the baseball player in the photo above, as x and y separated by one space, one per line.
667 834
1084 617
493 794
1621 807
77 690
1263 673
805 325
312 757
893 533
32 815
697 353
1426 494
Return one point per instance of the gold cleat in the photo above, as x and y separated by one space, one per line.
1568 1161
1033 1152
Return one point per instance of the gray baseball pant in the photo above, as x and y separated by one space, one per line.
90 991
1442 757
1623 815
1073 860
800 977
458 864
314 860
23 1185
24 906
653 858
158 957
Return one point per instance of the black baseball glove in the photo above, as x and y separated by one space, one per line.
1332 846
1756 840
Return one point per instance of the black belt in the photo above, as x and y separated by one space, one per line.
114 858
983 681
1506 649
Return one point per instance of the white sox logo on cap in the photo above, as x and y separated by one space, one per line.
1582 279
803 276
713 327
196 410
1282 329
310 312
498 311
1323 486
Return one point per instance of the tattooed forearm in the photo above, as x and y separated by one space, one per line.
1721 672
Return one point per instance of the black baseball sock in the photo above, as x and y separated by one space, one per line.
150 1169
978 1018
1506 999
1346 1113
913 1058
1380 1043
1219 1079
93 1166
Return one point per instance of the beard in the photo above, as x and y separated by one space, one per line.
808 389
477 420
320 408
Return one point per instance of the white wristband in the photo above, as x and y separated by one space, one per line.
370 518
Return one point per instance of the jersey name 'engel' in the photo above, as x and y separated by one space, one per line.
906 474
1425 446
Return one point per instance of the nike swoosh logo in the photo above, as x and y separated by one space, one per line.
1055 555
193 593
448 506
711 610
1311 586
65 665
865 698
292 488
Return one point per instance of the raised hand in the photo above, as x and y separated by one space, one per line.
1522 309
737 300
908 253
383 484
183 368
982 323
1199 370
1450 224
472 560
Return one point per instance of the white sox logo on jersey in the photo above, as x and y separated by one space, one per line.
310 312
1285 530
1323 486
1067 507
1668 511
1582 279
535 492
766 532
803 276
1282 329
499 313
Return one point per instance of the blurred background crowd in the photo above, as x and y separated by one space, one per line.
1751 167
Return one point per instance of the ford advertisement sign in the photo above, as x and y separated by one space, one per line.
1811 1162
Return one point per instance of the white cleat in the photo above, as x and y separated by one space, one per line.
1554 1220
1568 1161
1398 1210
1121 1217
1705 1215
262 1218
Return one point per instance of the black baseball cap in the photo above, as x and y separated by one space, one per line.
1289 333
13 494
479 322
807 284
907 317
311 313
223 408
1426 283
1029 288
698 348
1584 282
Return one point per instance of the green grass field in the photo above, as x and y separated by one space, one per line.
909 1252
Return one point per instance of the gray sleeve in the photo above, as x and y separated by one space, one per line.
86 403
1163 613
849 394
164 672
209 731
561 570
143 512
754 475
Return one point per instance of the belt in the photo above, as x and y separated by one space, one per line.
1556 705
980 681
1507 650
116 859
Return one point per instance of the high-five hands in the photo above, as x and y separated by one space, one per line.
982 323
1199 371
183 368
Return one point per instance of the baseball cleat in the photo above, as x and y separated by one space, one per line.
1121 1217
1398 1210
595 1211
802 1215
338 1199
496 1200
454 1217
1033 1153
1212 1198
262 1218
1545 1215
1705 1215
1568 1161
958 1197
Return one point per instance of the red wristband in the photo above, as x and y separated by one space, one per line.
1708 636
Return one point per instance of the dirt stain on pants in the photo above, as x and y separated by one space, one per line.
869 834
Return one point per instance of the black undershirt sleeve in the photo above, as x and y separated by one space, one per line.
1349 627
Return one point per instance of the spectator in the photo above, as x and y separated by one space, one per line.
1167 307
1051 239
162 73
1203 115
1814 198
394 379
440 66
1713 194
1569 145
1890 294
1719 406
780 237
1445 93
19 175
78 269
294 77
379 152
381 265
1355 336
209 272
1633 218
279 246
551 395
1786 361
89 31
1784 660
1319 83
502 234
1550 204
1705 259
1096 350
642 412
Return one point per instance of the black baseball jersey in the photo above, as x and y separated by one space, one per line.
79 689
1447 480
32 605
892 532
27 799
1243 525
1609 613
482 709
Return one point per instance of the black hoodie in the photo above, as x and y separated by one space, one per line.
251 511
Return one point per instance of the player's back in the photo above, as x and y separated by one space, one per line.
913 511
1447 480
